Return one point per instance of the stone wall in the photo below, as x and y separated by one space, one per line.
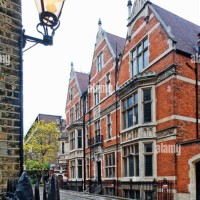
10 91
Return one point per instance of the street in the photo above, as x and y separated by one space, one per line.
73 195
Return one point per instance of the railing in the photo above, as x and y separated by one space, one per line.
98 140
154 190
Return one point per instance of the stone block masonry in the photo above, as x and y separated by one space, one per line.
10 91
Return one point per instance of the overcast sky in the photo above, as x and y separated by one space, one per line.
47 69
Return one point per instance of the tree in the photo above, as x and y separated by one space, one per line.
42 147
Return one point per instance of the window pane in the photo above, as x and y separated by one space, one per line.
140 67
148 165
139 49
130 118
147 95
131 166
131 193
134 54
124 120
134 68
125 167
148 147
147 112
130 102
136 114
137 165
124 105
146 58
145 43
135 98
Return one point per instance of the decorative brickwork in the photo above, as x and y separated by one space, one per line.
10 91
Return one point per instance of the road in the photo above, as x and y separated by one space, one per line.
72 195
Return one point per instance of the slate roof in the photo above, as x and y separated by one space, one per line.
116 41
83 81
184 32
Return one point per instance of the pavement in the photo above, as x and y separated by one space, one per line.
73 195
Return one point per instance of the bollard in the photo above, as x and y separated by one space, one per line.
37 192
53 193
44 192
24 189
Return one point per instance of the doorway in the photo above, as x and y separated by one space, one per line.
99 172
198 181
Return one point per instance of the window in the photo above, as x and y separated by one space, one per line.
71 93
147 105
63 147
131 160
72 140
108 85
97 131
130 111
80 168
109 191
71 115
77 110
87 167
96 94
148 159
79 139
99 62
138 103
110 165
132 194
109 126
148 195
72 169
140 57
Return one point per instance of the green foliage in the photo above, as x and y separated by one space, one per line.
42 146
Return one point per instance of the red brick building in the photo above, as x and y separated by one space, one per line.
141 117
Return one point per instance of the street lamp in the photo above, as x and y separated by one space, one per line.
49 14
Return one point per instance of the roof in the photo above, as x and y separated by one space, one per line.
184 32
83 81
116 42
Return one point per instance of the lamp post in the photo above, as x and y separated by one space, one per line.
49 14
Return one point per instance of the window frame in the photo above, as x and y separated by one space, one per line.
127 153
77 115
110 165
148 153
108 84
109 126
138 53
96 94
99 62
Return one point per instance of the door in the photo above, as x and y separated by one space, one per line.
198 181
99 171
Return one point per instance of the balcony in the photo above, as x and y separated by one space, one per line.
97 140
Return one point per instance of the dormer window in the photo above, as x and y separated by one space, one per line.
140 57
99 62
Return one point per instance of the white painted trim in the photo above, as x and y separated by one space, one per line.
171 178
192 175
179 117
188 80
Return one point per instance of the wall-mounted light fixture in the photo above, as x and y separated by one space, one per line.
49 14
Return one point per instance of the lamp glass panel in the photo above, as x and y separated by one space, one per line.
52 6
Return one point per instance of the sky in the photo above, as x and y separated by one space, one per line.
46 69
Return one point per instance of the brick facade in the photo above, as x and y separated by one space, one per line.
151 112
10 91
